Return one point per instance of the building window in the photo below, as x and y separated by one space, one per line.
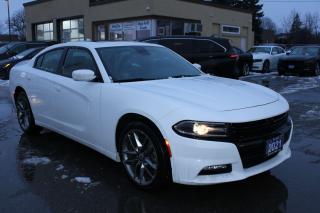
230 29
72 30
44 32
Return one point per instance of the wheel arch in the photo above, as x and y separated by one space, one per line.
130 117
17 91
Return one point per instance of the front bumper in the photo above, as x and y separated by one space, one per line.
257 66
191 156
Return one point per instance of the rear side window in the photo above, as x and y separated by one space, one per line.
207 46
50 61
181 46
77 59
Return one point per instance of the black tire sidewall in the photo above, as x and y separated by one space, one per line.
163 176
264 66
22 96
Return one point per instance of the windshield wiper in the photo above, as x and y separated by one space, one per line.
133 80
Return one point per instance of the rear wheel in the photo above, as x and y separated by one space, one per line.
266 67
245 69
144 156
24 114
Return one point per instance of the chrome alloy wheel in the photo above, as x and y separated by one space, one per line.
139 157
246 69
317 70
24 114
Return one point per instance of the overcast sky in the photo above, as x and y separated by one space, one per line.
275 9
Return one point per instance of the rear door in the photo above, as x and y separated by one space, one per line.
181 46
209 54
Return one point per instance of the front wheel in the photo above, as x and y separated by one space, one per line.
266 67
24 114
144 156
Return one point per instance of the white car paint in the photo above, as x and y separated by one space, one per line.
273 58
89 112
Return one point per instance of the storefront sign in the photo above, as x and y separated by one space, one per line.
116 27
144 25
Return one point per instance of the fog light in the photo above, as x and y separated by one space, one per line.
216 169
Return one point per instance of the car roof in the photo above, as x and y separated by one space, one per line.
185 37
101 44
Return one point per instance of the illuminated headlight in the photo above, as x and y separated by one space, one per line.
200 130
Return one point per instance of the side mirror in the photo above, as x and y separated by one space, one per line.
198 66
83 75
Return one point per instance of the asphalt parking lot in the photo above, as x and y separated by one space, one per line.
50 173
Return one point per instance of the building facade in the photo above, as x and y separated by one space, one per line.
72 20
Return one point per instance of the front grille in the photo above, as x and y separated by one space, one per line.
250 138
298 66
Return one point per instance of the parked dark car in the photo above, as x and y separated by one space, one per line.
3 43
14 48
215 55
245 61
301 60
7 64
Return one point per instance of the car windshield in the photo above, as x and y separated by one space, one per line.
139 63
309 51
260 50
6 47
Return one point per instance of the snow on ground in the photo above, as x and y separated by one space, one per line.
60 167
4 83
85 180
312 114
34 161
64 177
301 84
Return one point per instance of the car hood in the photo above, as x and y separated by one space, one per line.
298 58
219 94
260 55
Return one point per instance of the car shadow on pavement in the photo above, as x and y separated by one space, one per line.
50 164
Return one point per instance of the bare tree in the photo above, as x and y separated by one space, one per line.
18 24
288 21
312 22
268 24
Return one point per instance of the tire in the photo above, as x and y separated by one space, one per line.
245 69
144 156
266 67
25 115
317 69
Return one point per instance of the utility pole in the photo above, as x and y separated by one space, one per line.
9 21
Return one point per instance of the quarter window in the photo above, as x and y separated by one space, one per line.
50 61
206 46
77 59
44 32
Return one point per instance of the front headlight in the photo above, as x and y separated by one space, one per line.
201 130
6 65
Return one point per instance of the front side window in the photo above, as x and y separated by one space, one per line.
206 46
50 61
139 63
77 59
181 46
72 30
44 32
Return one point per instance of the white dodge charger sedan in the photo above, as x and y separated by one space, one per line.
145 106
266 58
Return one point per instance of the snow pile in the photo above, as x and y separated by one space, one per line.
60 167
4 83
85 180
302 84
313 114
36 161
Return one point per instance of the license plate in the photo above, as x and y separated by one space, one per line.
274 145
291 66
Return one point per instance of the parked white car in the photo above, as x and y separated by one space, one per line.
145 106
265 58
